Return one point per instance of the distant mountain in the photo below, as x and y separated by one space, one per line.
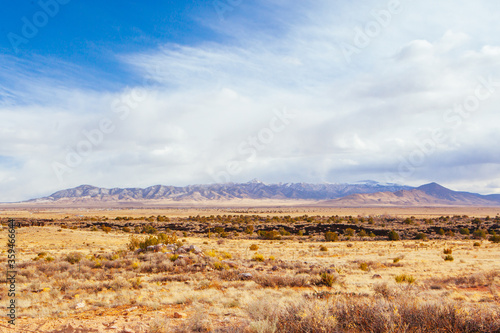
426 195
251 190
364 193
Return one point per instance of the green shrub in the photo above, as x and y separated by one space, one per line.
349 232
479 234
147 229
464 231
393 235
495 239
421 236
331 236
249 229
283 232
269 235
441 232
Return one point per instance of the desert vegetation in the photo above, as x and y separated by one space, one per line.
253 273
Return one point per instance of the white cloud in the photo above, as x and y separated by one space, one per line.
202 102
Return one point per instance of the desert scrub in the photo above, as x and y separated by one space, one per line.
254 247
328 279
269 235
364 267
464 231
404 278
372 315
421 236
258 257
331 236
449 257
447 251
219 266
495 239
393 235
323 248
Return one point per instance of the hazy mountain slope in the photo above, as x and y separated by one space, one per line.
250 190
426 195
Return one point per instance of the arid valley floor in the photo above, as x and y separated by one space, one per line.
81 270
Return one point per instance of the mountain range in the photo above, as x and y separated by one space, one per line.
366 193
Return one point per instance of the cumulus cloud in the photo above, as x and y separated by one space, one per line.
396 111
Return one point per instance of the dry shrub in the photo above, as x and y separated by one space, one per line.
468 281
274 281
376 315
198 322
229 275
172 278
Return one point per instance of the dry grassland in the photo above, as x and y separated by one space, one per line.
91 281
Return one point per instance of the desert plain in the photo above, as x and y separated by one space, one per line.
139 270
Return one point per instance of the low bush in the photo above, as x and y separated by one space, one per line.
393 235
331 236
269 235
371 315
258 257
464 231
495 239
404 278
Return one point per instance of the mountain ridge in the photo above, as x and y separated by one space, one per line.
250 190
365 193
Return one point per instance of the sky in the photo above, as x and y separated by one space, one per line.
137 93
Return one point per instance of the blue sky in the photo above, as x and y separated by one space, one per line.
132 94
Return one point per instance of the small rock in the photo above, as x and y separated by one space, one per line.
245 275
195 249
179 315
230 263
376 276
80 305
275 268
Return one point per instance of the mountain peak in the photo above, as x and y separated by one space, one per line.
433 187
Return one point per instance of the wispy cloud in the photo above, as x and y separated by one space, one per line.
353 120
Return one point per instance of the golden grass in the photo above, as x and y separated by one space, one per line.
143 292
